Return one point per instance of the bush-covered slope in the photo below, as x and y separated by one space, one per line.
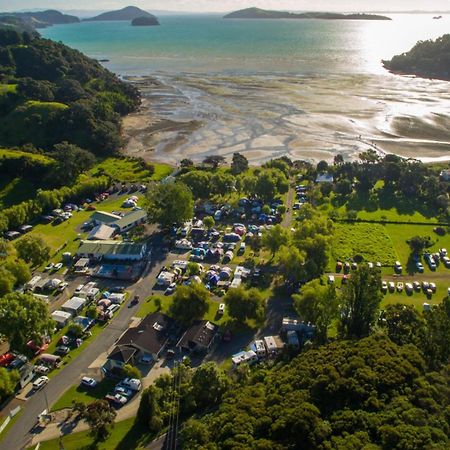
430 59
59 95
370 394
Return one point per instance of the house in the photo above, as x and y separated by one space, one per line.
101 232
325 178
81 266
104 218
273 345
259 348
199 337
74 305
112 250
148 340
130 220
61 318
243 357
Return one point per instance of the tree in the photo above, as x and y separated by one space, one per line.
99 415
186 162
274 238
92 312
192 269
222 183
7 281
239 164
195 435
210 375
149 412
322 166
75 330
190 303
130 371
24 318
361 298
19 269
8 382
245 304
291 263
419 243
169 204
209 222
338 159
199 182
71 161
269 183
343 187
33 249
319 305
214 161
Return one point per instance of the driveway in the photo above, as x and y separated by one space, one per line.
19 435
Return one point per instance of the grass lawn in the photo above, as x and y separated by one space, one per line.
129 170
124 436
369 240
5 88
83 394
400 233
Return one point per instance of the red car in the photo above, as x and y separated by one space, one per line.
6 359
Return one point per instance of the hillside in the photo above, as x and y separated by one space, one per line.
127 13
428 59
42 19
50 93
257 13
15 24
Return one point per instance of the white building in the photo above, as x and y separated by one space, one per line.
61 318
243 357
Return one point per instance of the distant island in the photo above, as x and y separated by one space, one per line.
257 13
427 59
127 13
42 19
145 21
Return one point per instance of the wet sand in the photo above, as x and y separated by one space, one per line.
309 118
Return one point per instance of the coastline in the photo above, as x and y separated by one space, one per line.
264 117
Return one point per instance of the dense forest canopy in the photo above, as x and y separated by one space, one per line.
52 93
430 59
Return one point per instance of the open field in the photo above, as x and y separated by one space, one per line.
130 171
9 153
5 88
370 240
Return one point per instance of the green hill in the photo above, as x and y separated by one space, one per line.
127 13
42 19
257 13
51 93
428 59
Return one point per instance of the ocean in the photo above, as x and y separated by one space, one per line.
305 88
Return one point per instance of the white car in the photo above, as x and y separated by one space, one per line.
40 382
79 288
62 286
41 370
88 382
57 266
117 399
171 288
399 286
330 279
49 267
391 285
131 383
221 308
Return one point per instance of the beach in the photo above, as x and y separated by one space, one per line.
192 115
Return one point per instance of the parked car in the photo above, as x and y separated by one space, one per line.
135 301
416 286
399 286
88 382
79 288
398 267
49 267
391 286
409 288
131 383
41 369
419 267
330 279
117 289
121 390
57 266
384 287
170 289
221 309
116 399
62 286
62 350
40 382
432 286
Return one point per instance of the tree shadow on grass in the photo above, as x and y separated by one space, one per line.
137 437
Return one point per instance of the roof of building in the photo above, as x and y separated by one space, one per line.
243 357
101 232
104 217
122 353
74 303
61 315
130 218
201 333
150 335
110 248
324 178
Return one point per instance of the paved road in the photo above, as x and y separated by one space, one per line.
19 435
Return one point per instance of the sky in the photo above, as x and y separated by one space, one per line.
230 5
